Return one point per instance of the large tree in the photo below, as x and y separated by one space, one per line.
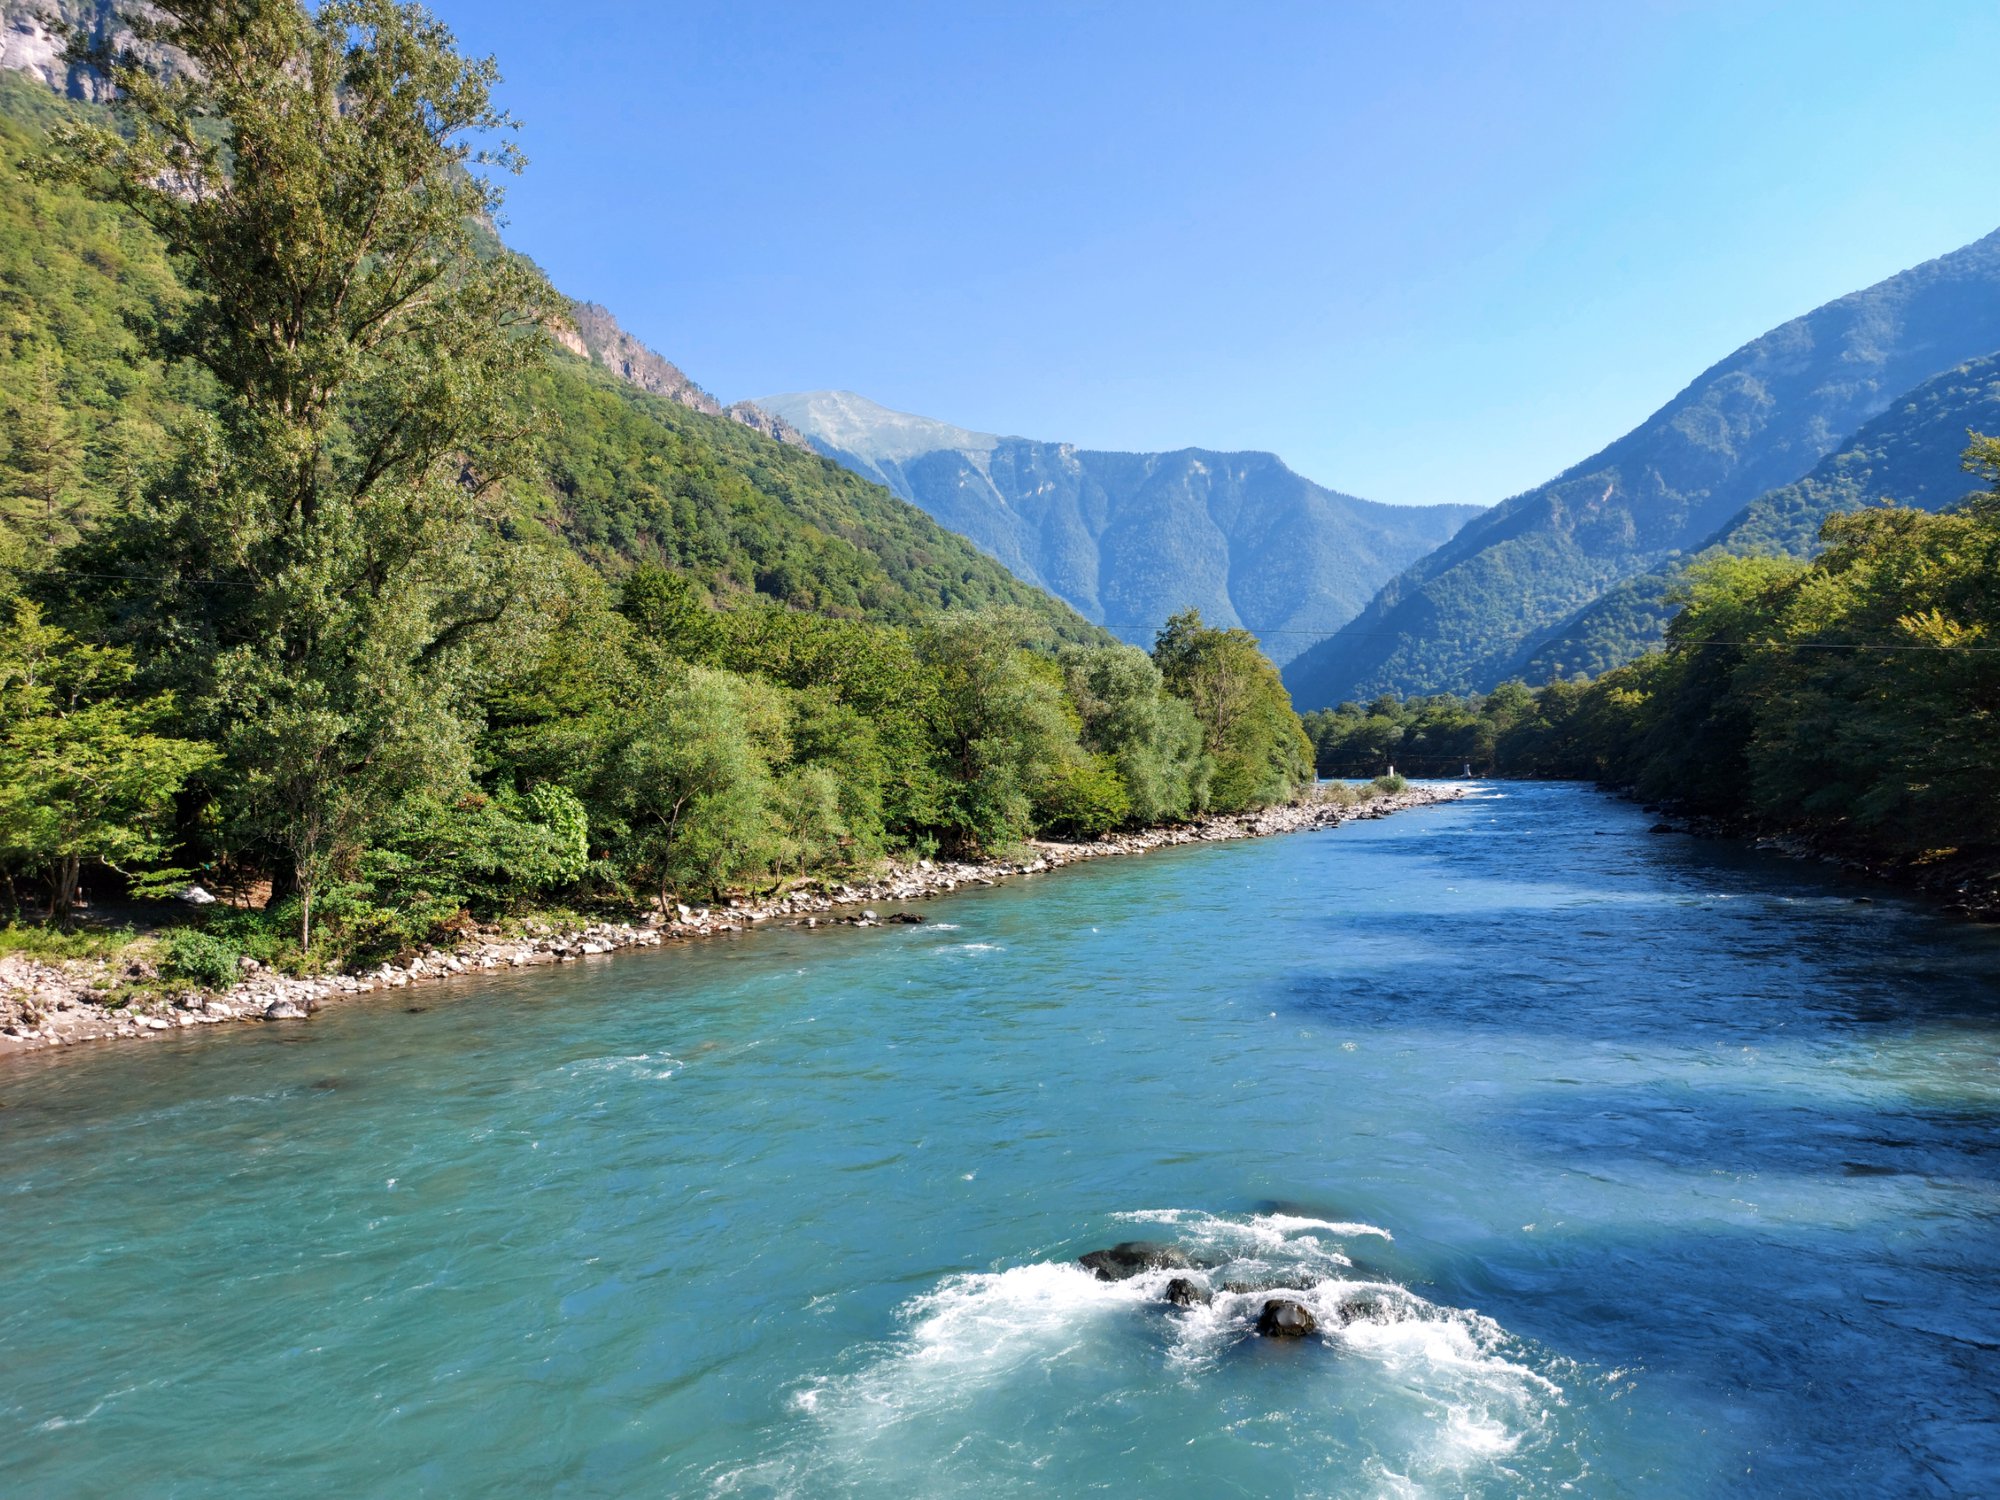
1260 751
316 570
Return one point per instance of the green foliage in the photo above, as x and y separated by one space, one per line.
1152 738
1259 751
1479 609
1856 697
1084 798
362 594
320 574
1910 453
51 941
999 728
628 476
689 783
86 769
203 959
1390 785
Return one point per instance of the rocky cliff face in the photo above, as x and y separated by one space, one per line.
31 44
1128 539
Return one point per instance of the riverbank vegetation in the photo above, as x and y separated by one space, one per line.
1853 699
328 583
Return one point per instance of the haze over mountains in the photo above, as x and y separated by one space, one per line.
1476 611
1130 538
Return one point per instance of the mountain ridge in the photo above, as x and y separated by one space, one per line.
1757 419
1909 454
1129 539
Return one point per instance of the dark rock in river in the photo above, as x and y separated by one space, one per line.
906 916
1183 1292
1283 1318
1124 1261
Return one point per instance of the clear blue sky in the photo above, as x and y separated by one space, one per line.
1425 252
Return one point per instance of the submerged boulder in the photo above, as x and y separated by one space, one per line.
1283 1318
1183 1291
1127 1259
1363 1307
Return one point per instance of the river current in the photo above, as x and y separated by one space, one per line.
1660 1167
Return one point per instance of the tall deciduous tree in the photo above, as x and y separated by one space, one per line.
317 568
1260 752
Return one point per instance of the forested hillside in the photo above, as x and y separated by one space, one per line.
1909 454
623 474
1853 699
1462 617
1130 538
333 584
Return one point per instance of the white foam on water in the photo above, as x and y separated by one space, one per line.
970 948
1439 1397
651 1066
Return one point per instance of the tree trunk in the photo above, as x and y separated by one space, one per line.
63 898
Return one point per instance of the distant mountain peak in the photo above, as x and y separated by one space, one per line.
869 430
1131 538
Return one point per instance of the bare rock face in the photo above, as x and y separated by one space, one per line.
28 44
632 362
753 416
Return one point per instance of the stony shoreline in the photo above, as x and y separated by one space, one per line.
45 1004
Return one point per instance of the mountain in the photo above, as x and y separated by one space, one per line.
1131 538
595 334
1909 454
1462 617
637 462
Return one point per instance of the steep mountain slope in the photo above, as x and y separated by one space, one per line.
1909 454
634 466
595 334
1130 538
1761 418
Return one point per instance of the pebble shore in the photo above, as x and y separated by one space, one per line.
45 1004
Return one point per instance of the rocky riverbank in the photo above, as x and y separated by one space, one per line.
54 1004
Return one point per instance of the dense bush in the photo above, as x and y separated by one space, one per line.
199 958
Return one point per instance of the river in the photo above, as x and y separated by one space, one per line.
1667 1168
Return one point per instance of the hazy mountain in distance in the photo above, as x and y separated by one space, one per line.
1130 538
1461 618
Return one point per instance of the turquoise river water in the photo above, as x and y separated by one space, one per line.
1670 1169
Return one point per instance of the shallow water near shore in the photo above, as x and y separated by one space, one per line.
1662 1168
